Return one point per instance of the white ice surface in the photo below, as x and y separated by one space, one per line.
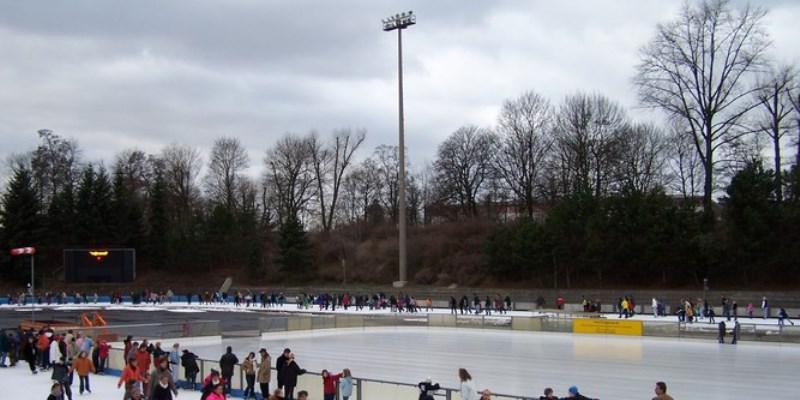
19 384
522 363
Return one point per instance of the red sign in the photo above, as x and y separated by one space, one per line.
23 250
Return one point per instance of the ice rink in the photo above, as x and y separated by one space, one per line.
524 363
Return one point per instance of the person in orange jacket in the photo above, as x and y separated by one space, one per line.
131 374
83 366
43 345
143 364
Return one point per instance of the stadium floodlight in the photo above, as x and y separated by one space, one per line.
398 23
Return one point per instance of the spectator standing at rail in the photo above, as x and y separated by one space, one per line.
661 392
280 364
190 367
249 371
575 394
291 371
548 395
765 307
721 331
560 302
750 310
226 364
264 372
329 382
427 389
654 306
467 387
346 384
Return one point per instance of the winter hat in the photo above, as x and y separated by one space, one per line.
573 390
262 350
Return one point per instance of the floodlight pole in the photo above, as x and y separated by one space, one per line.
400 22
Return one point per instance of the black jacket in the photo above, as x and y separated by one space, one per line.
189 361
279 365
426 390
160 393
290 373
226 364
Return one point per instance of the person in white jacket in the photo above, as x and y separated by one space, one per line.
468 391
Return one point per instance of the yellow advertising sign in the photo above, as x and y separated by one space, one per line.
607 327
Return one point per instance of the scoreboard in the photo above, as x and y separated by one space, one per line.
99 265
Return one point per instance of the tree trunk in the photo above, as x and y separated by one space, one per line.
778 176
708 185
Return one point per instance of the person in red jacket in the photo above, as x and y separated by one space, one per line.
143 363
102 356
329 381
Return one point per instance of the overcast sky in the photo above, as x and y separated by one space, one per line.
122 74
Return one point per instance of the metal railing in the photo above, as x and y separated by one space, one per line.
363 388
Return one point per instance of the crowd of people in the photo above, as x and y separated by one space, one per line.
498 304
151 372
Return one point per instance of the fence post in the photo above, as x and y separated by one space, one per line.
358 389
448 395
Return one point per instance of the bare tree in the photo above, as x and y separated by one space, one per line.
684 164
388 162
794 97
524 138
589 133
228 160
330 164
54 164
181 168
290 177
643 158
696 69
775 97
361 188
464 163
135 169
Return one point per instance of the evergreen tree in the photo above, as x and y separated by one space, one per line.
103 209
752 216
86 222
61 218
294 251
158 223
127 227
20 219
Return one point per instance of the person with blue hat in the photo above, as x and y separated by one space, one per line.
574 394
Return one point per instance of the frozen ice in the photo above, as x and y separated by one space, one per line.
524 363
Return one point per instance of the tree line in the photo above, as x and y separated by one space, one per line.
578 192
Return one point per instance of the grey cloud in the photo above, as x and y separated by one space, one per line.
116 74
